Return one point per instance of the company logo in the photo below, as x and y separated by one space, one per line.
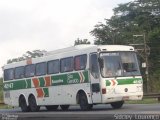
71 80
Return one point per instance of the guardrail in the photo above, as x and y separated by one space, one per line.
1 103
152 95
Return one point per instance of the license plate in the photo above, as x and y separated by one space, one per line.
125 98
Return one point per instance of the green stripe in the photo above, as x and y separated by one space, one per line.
72 78
129 81
28 83
46 92
126 81
42 81
108 83
15 85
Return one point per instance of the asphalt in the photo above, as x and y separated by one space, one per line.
99 112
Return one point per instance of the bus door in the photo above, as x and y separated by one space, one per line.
94 77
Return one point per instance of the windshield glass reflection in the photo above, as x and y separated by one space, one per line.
119 64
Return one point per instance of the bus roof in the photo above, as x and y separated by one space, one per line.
115 48
86 46
74 49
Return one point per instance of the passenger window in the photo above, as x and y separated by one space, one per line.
80 62
53 67
30 70
94 65
41 68
9 74
19 72
67 64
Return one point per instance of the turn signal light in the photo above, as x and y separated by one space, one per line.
103 90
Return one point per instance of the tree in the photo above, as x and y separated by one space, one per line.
28 54
81 41
128 19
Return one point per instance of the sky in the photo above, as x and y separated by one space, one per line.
27 25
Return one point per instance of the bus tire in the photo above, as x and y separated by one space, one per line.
64 107
117 105
23 104
51 107
83 102
33 104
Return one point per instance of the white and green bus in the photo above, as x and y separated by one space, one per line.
85 74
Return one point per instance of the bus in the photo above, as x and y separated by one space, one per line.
83 75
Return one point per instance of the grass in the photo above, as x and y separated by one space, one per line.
144 101
1 91
5 107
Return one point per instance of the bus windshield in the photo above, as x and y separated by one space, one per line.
116 64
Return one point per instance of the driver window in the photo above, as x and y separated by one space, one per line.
94 65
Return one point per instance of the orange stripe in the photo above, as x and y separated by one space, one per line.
47 81
40 92
35 82
81 78
114 83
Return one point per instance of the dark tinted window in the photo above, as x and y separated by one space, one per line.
53 67
19 72
9 74
67 64
80 62
41 68
30 70
94 65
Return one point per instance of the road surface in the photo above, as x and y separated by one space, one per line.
99 112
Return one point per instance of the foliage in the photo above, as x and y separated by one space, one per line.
81 41
28 54
1 89
131 18
137 17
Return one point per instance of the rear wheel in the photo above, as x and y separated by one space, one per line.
23 104
84 102
117 105
64 107
33 104
52 107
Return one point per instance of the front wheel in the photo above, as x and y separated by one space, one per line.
64 107
33 104
84 103
117 105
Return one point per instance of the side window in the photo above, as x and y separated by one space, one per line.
41 68
9 74
53 67
67 64
80 62
94 65
19 72
30 70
